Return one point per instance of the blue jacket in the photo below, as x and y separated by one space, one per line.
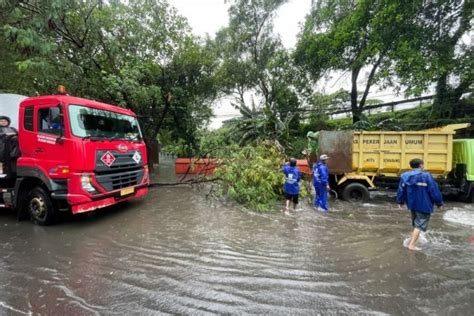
320 174
292 175
419 191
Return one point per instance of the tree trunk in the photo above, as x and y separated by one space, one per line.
446 100
149 150
356 111
152 133
369 82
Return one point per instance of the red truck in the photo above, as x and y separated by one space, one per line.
69 154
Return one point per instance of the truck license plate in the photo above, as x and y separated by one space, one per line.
127 191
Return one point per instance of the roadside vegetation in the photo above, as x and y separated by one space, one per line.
252 175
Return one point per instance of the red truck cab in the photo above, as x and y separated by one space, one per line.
76 155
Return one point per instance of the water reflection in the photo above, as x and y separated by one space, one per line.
176 252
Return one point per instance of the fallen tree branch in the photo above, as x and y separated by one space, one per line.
191 181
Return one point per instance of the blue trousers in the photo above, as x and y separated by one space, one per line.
321 196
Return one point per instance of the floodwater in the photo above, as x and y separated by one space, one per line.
177 252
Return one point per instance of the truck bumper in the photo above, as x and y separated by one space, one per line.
81 203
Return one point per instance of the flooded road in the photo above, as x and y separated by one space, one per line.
176 252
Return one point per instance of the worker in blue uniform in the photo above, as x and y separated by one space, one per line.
291 187
420 192
321 184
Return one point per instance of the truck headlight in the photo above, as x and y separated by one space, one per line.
86 183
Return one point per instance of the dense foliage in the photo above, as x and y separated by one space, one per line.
439 50
252 175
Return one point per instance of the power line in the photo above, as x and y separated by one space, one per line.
343 109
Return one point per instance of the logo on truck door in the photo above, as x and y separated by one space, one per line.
108 159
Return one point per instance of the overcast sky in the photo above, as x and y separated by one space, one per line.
208 16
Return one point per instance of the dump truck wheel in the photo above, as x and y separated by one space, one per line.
355 192
40 207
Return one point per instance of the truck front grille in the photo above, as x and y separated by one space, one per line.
124 172
119 180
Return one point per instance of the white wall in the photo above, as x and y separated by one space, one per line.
9 105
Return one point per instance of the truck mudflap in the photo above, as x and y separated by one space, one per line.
87 206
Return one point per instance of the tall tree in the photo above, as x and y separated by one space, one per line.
436 53
354 36
255 69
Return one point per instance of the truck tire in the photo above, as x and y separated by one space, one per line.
40 207
355 192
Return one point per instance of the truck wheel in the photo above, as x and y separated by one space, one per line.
355 192
40 207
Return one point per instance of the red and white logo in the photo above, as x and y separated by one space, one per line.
122 148
108 159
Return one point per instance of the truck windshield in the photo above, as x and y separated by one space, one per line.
95 123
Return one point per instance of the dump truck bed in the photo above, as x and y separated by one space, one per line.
388 153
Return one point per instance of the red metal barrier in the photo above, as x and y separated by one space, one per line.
302 164
207 166
195 166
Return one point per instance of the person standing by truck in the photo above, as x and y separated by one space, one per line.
291 187
419 191
321 184
8 135
5 127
